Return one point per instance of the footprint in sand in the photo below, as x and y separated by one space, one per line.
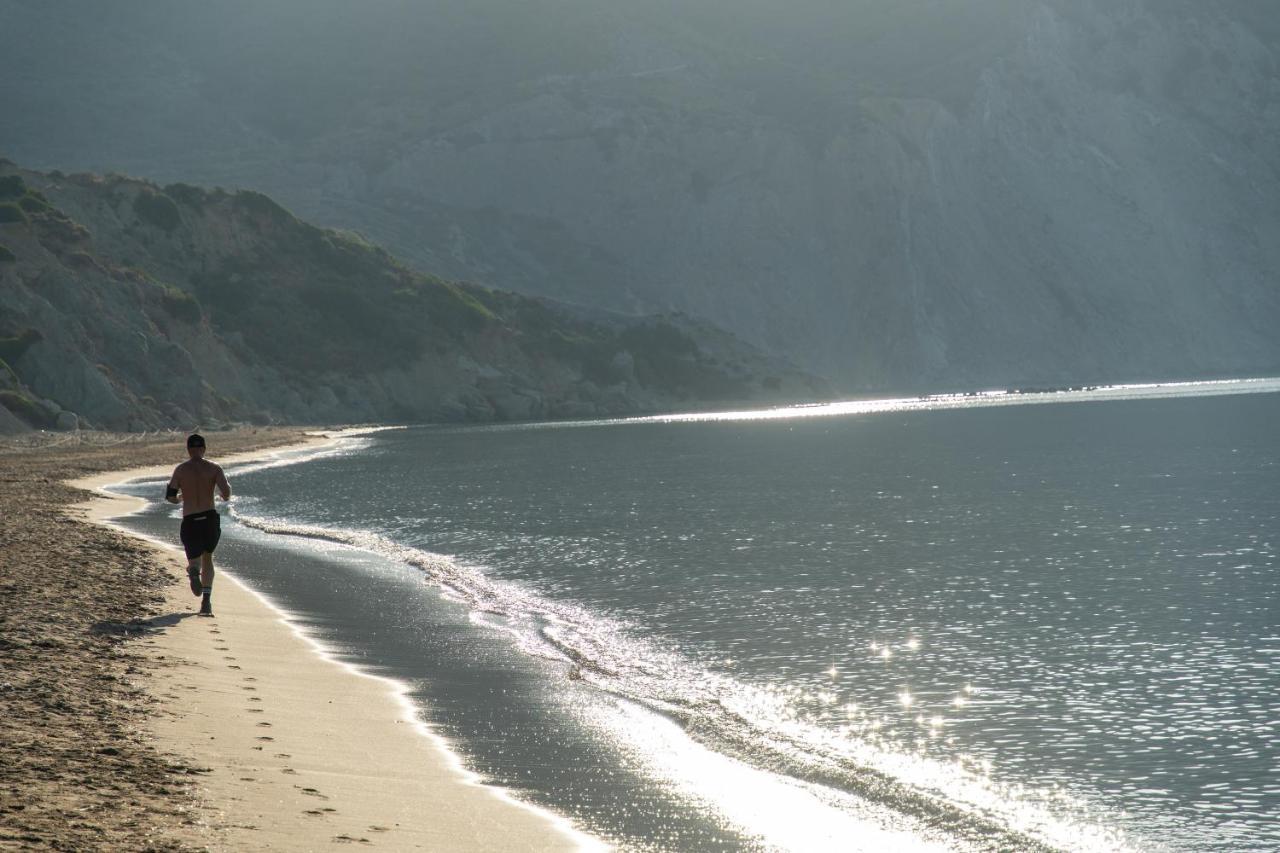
283 755
264 725
227 657
254 710
250 678
316 812
242 687
265 737
255 699
376 828
290 771
233 666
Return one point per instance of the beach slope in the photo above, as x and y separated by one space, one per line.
126 721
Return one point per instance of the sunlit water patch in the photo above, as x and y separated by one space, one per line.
968 624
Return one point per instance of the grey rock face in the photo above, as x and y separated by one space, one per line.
1103 208
1093 193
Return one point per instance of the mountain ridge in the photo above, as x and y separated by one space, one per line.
897 196
133 306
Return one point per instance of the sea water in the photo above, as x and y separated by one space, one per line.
1009 622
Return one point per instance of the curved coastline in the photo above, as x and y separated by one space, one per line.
241 696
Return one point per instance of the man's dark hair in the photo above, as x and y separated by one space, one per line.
195 440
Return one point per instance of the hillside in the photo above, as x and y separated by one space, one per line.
127 305
892 193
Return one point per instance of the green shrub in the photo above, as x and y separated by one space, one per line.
468 300
157 209
230 291
84 261
12 348
659 339
61 228
343 252
12 186
256 202
7 256
7 374
179 304
34 202
186 193
666 357
347 314
10 212
25 409
593 355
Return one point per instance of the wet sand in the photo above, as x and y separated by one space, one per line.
128 723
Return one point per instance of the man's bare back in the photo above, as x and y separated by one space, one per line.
195 481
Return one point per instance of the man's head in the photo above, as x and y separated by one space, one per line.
195 445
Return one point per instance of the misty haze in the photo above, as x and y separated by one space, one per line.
723 425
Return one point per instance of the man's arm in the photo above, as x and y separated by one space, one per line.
171 491
224 488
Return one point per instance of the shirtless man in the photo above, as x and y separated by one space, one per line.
195 480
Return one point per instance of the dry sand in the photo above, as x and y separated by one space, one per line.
128 723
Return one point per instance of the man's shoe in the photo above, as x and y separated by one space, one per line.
206 609
196 587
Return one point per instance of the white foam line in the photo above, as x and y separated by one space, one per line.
398 690
945 780
948 781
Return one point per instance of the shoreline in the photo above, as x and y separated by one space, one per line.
240 699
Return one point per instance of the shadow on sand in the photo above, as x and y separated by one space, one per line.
137 627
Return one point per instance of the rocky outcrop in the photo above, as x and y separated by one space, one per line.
131 306
896 195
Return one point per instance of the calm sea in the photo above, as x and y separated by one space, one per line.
971 623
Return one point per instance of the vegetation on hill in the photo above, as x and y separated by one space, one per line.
180 304
13 346
10 212
902 194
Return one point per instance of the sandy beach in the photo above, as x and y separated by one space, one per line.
126 723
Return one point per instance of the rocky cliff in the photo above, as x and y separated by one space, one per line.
897 194
126 305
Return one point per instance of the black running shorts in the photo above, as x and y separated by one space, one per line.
200 532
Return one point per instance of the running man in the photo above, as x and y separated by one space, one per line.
195 480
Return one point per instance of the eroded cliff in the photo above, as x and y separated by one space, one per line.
132 306
896 194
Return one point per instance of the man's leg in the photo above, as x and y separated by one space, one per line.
192 545
206 583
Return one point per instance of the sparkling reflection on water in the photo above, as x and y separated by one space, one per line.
1076 603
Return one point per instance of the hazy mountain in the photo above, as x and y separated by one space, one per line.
132 306
894 192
